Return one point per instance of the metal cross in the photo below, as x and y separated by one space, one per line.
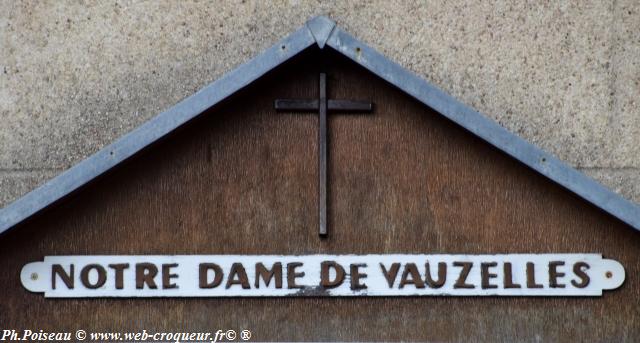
322 105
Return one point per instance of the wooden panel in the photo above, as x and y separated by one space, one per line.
243 180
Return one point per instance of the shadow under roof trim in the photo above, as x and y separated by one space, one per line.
323 32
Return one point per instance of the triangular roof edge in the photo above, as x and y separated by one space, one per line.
321 31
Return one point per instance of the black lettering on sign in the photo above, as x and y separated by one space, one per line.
508 276
67 279
356 276
531 276
390 274
464 273
325 268
411 276
119 271
442 275
167 276
84 276
579 270
267 275
292 275
204 272
486 275
145 272
554 274
238 276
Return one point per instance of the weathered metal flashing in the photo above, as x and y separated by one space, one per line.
154 129
487 129
321 28
323 32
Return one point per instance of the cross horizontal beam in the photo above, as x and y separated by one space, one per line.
322 106
313 105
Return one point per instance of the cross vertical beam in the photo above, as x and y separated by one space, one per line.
322 105
322 158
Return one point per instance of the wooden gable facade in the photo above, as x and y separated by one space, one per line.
242 178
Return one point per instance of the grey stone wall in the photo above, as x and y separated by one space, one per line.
74 76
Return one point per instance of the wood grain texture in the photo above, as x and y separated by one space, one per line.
243 179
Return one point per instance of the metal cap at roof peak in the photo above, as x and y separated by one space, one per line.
323 32
321 28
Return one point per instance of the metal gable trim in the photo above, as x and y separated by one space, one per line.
487 129
322 31
154 129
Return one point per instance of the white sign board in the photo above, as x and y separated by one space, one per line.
323 275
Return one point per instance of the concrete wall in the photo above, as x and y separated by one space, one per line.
75 76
